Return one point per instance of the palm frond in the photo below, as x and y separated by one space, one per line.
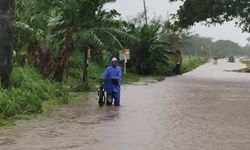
112 38
23 26
96 40
108 22
161 42
55 19
122 35
90 37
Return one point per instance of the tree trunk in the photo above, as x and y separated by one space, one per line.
45 53
85 67
63 58
7 8
44 61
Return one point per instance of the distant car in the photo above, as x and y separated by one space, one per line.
231 59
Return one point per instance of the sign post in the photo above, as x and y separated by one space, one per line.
125 66
125 55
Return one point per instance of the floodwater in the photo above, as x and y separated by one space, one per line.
206 109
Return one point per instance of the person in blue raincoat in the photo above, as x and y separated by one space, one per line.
112 79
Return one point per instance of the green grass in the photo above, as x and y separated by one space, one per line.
246 61
32 94
159 78
247 69
48 108
6 123
95 73
190 63
129 78
30 90
164 69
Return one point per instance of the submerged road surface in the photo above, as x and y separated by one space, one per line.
206 109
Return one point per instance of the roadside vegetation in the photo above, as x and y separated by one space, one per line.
57 54
204 46
192 62
247 62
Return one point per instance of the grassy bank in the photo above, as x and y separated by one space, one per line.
30 90
190 63
32 94
247 62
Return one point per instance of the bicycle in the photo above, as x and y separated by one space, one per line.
104 96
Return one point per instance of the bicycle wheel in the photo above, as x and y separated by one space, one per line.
109 99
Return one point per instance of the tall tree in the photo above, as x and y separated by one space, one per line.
214 11
59 27
150 49
6 40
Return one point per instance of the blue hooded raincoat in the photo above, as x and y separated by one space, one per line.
116 74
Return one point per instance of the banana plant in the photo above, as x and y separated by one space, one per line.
149 49
57 27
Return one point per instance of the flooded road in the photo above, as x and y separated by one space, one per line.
206 109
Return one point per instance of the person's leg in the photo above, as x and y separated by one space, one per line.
116 96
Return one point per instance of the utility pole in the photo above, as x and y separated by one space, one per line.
145 12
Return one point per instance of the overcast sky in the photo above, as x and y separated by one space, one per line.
130 8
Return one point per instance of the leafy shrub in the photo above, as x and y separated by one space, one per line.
29 90
28 79
190 64
165 69
17 102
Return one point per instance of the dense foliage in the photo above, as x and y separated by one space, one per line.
61 45
214 11
202 46
30 90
